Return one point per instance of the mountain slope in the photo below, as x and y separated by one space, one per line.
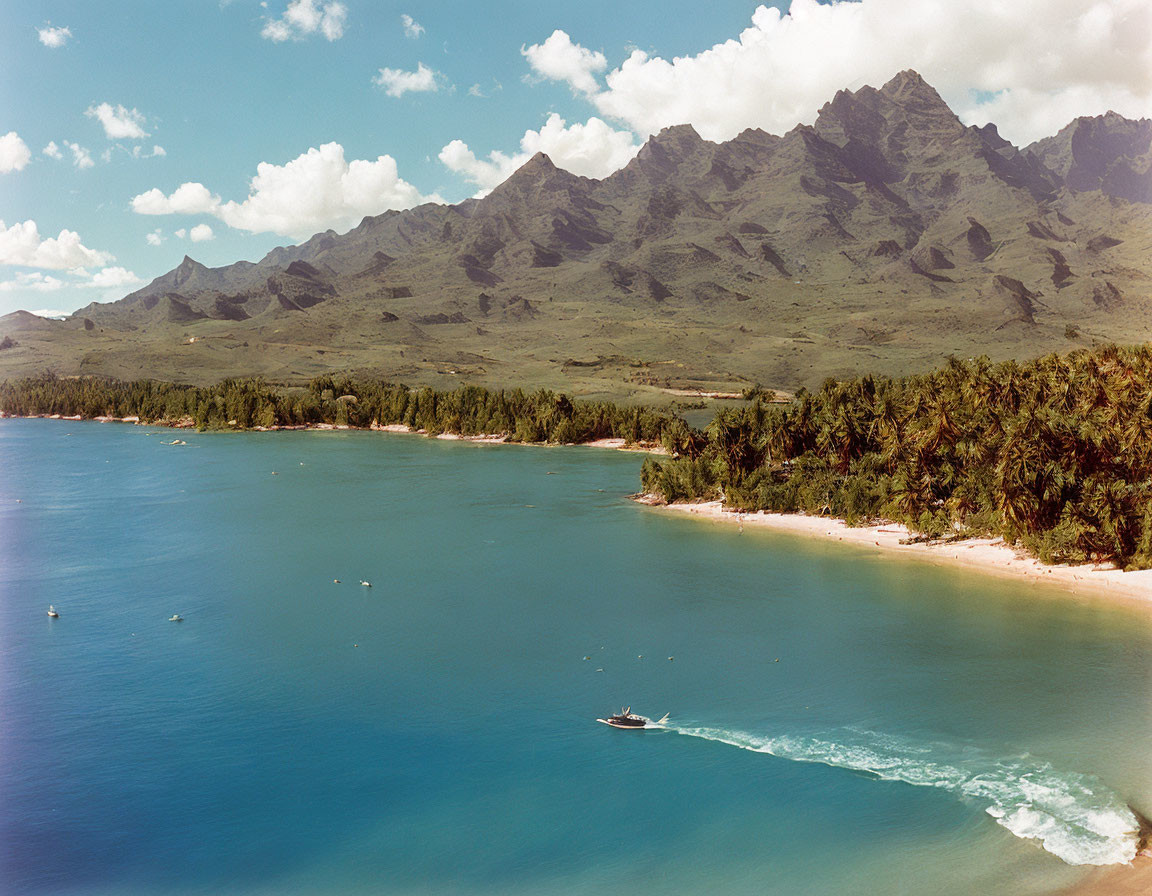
885 236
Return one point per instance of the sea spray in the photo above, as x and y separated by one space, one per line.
1073 816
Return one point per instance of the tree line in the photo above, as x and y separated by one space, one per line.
1055 454
521 416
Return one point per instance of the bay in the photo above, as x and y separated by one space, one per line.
838 719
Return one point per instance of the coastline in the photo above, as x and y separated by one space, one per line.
988 555
395 428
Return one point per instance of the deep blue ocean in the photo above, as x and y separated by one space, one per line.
839 719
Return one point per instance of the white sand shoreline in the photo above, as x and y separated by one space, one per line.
395 428
991 556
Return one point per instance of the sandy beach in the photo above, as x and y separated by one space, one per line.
501 439
982 554
1113 880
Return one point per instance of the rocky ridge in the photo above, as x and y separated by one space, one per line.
884 236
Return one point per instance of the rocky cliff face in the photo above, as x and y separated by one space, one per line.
1107 153
886 235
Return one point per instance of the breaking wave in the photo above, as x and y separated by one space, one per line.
1073 816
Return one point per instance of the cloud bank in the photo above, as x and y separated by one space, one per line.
559 59
315 191
593 149
1031 66
21 244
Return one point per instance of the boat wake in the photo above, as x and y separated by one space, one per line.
1073 816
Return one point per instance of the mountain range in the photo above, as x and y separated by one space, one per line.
884 237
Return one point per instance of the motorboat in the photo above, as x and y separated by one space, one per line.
629 720
52 612
176 618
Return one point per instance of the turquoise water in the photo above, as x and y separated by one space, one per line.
838 719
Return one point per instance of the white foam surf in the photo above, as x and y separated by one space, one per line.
1073 816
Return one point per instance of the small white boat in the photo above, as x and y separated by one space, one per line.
365 584
52 612
176 618
629 721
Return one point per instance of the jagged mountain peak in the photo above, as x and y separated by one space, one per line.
906 102
664 155
672 143
991 135
887 197
756 135
906 83
541 163
535 178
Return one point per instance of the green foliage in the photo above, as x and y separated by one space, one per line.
540 416
1055 454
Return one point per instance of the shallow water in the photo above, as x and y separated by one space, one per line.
838 719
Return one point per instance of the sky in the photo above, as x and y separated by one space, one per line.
133 133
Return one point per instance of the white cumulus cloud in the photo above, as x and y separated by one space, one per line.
112 277
32 281
559 59
119 123
155 238
53 37
397 82
52 150
187 199
201 233
35 281
593 149
987 58
412 28
14 153
303 18
317 190
21 244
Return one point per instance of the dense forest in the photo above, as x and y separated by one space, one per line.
1055 454
540 416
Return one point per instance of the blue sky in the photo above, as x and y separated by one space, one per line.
107 109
